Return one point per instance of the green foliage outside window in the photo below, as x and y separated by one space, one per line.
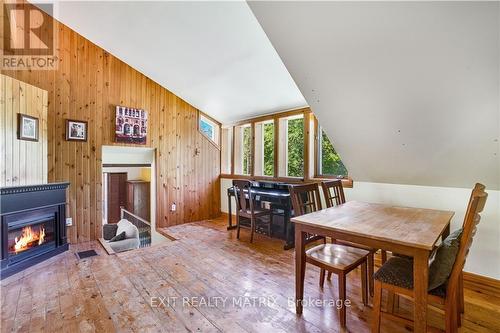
268 149
296 147
331 164
247 149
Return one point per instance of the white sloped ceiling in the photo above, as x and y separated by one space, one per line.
407 91
214 55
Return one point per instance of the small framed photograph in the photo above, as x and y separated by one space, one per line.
27 127
76 130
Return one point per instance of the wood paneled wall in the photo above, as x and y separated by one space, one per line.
87 85
23 162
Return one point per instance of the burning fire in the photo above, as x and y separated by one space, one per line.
28 238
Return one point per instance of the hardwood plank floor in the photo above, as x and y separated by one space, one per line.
206 281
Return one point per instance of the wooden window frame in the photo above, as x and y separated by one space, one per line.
217 143
309 175
233 154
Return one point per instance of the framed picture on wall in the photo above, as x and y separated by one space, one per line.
76 130
27 127
131 125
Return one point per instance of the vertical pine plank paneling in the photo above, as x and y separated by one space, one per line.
93 90
20 90
77 181
23 162
17 168
40 154
70 150
10 130
3 112
45 132
30 105
96 148
88 85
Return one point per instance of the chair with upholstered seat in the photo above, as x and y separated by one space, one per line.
396 274
335 258
247 208
333 192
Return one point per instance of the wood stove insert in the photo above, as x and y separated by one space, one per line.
33 225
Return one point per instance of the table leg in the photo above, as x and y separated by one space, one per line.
420 284
300 268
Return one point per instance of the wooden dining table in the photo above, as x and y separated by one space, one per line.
404 230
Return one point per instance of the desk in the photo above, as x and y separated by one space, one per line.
409 231
278 195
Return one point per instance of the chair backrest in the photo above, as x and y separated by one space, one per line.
333 192
305 198
242 192
472 217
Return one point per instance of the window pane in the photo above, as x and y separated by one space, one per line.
226 149
209 128
264 149
247 149
242 149
295 146
268 149
331 164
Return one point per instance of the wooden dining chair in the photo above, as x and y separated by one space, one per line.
335 258
247 208
449 293
333 192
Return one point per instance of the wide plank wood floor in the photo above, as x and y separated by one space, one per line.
163 289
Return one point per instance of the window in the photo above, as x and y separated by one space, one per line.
329 161
227 150
209 128
247 150
243 149
291 149
264 148
269 149
276 145
295 161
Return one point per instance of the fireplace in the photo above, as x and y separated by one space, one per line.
27 238
33 225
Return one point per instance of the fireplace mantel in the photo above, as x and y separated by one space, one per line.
33 188
25 206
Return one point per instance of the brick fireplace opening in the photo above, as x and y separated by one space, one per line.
33 225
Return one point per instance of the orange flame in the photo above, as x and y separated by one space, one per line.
28 237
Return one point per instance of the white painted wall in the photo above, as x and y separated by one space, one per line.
127 155
408 91
224 185
485 251
133 173
484 256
